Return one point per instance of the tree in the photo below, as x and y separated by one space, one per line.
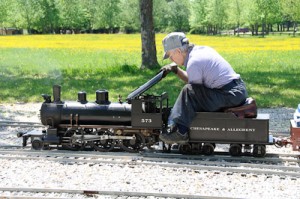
149 59
48 22
109 14
275 16
198 16
70 15
252 16
263 11
3 13
291 9
208 16
91 13
178 16
130 13
216 16
25 14
234 14
160 15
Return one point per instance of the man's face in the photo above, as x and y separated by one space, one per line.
176 56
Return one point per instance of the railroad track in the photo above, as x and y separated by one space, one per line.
219 164
273 164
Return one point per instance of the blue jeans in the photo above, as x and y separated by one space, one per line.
198 98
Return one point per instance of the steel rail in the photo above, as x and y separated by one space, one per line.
276 158
124 155
146 152
107 192
225 156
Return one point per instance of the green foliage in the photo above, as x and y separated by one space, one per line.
129 21
178 17
197 16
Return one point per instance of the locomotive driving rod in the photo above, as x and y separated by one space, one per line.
101 137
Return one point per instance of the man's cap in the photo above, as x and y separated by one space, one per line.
172 41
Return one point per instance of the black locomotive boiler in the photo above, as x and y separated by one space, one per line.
132 125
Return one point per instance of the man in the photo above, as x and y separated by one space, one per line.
212 84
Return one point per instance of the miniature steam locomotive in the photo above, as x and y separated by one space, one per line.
137 123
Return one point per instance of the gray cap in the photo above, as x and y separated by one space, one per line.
172 41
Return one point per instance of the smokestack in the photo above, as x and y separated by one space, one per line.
56 93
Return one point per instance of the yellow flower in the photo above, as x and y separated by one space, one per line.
132 43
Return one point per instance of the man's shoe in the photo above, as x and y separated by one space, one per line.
174 136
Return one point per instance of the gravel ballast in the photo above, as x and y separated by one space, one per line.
140 178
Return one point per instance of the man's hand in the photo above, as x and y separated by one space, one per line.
172 67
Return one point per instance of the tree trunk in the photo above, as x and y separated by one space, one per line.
263 28
294 28
256 29
149 59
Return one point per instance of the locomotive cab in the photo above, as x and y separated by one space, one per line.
150 111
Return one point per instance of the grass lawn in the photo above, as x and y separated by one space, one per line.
30 65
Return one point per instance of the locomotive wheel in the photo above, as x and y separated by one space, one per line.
133 145
37 144
103 145
259 150
235 150
185 148
197 147
68 143
150 141
166 147
208 149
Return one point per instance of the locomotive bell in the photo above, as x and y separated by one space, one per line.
102 97
82 97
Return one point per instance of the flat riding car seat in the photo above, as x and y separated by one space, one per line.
247 110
